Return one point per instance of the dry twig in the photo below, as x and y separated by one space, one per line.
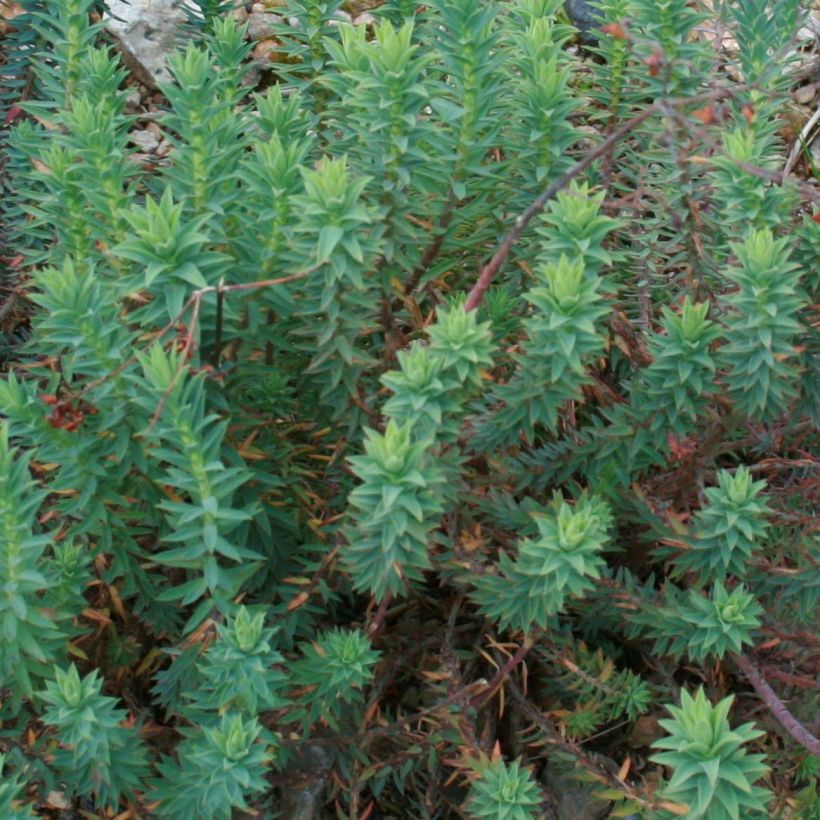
776 706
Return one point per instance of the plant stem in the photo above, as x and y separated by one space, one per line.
503 673
488 271
787 720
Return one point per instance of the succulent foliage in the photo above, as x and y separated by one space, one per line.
340 472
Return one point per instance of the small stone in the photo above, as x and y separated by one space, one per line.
263 26
8 11
805 94
258 8
309 770
165 148
591 137
144 140
729 44
267 51
584 17
147 31
252 76
58 800
364 19
810 31
133 99
734 73
240 14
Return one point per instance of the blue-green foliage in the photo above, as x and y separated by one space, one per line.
187 442
217 769
335 669
560 563
712 772
675 389
701 625
11 795
503 791
97 755
268 482
761 363
241 669
30 640
396 509
728 529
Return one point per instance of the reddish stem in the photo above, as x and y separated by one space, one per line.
381 612
495 684
787 720
488 271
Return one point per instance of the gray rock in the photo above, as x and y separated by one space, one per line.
133 99
147 32
584 17
262 25
144 140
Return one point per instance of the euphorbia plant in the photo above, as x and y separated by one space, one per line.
712 773
448 360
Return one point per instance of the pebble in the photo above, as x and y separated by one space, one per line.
154 129
583 16
165 148
263 26
267 51
590 139
805 94
144 140
133 99
58 800
811 30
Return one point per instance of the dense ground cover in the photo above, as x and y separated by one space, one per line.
429 425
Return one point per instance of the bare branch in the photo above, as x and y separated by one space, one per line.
489 271
501 676
779 709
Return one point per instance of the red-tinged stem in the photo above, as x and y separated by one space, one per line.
381 612
787 720
488 271
498 681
